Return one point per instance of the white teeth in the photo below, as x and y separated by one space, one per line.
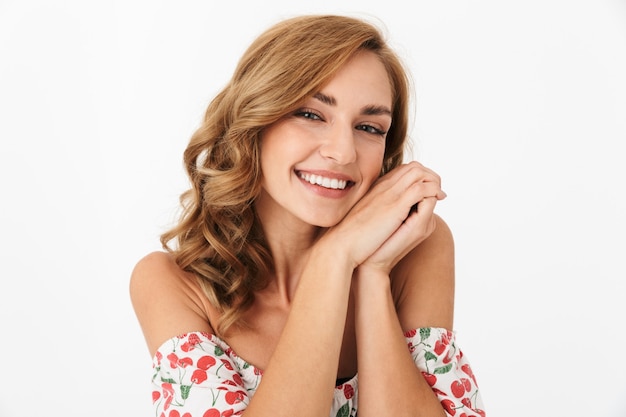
333 183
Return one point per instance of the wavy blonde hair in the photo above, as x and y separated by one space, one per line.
218 236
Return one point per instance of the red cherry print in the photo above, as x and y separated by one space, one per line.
468 370
227 364
439 347
187 415
211 412
430 378
238 380
457 388
173 413
463 415
410 333
467 402
227 413
439 392
168 394
467 384
155 395
198 376
173 358
167 388
234 397
185 362
348 391
193 339
159 356
206 362
481 412
448 406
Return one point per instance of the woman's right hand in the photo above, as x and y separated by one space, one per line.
382 215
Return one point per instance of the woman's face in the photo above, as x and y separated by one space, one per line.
318 161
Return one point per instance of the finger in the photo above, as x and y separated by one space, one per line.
426 207
421 221
417 227
421 190
408 173
424 173
404 191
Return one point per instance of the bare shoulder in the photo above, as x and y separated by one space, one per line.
156 268
423 282
437 250
167 300
441 241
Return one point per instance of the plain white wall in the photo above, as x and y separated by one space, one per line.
520 107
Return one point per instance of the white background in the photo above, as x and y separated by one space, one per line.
521 107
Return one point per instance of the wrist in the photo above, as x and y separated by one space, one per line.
369 279
331 247
331 251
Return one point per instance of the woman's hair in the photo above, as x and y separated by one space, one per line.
218 236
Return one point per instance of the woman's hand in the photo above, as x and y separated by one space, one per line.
381 228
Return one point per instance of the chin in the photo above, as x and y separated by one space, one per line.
324 221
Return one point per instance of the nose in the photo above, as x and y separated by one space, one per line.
339 145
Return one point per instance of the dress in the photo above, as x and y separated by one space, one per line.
198 375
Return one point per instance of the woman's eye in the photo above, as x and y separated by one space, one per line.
308 114
371 129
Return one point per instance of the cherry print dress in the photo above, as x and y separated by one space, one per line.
198 375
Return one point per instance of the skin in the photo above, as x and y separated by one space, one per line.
352 271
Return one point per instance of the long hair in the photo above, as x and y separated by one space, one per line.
218 236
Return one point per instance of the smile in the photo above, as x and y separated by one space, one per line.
331 183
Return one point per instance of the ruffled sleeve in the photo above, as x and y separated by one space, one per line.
196 375
446 369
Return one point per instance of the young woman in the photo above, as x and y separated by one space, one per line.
308 268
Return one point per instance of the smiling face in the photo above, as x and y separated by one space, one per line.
319 160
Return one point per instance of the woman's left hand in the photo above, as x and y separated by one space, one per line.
419 224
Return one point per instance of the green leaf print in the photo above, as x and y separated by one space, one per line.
218 351
429 356
170 380
184 391
344 411
443 369
424 333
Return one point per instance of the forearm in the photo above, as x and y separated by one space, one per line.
300 377
389 381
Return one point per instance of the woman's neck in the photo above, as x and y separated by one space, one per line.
290 242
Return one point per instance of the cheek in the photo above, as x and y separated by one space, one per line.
282 142
270 149
373 162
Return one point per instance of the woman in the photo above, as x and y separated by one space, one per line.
308 267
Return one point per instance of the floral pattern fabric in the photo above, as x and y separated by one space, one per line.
198 375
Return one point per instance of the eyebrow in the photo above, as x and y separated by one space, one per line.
370 110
